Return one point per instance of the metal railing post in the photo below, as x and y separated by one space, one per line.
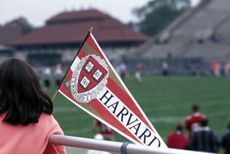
112 146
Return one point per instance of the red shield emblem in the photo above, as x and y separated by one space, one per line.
89 78
90 75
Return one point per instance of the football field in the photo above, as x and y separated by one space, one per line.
165 101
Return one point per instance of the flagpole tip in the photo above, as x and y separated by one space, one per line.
91 29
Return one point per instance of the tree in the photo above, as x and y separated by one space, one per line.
22 23
157 14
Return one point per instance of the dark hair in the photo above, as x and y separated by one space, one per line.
21 97
195 107
179 127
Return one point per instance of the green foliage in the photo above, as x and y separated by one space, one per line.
157 14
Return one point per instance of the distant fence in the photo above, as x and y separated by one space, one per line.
176 66
112 146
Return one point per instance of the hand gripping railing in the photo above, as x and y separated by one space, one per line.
112 146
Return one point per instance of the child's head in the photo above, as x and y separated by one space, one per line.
21 97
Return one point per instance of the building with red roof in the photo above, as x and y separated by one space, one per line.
63 33
11 31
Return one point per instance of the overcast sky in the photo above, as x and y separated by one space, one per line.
38 11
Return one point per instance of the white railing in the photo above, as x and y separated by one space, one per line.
112 146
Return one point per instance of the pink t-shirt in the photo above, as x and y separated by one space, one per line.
30 139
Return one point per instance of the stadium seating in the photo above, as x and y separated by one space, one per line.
202 32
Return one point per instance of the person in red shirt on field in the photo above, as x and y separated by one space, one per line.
193 121
177 139
106 131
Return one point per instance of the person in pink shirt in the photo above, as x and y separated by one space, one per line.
26 120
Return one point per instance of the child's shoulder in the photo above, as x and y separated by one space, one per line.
47 119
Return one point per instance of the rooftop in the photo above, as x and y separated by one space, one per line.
72 27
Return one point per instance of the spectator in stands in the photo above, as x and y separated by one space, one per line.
193 121
225 142
139 72
26 120
203 139
227 69
106 131
58 74
122 70
177 139
216 68
165 68
46 77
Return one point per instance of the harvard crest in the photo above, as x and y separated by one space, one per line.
89 78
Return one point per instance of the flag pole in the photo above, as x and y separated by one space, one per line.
91 29
56 92
54 95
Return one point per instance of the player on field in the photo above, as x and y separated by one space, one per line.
106 131
193 121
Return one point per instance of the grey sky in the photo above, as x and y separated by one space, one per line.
37 11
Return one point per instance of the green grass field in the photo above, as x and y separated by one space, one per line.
165 101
